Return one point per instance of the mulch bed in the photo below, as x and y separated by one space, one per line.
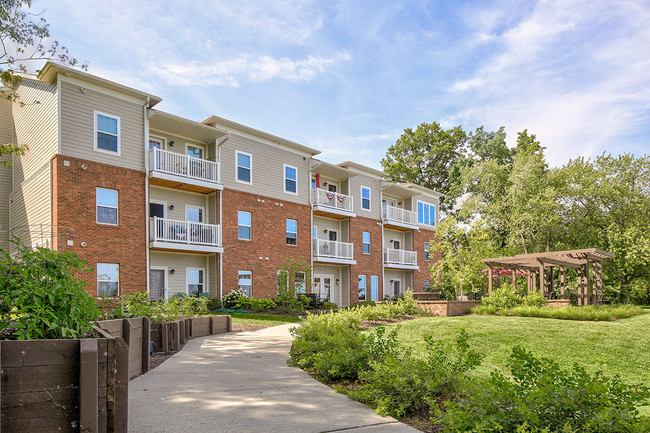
367 324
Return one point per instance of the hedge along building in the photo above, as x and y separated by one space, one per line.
169 205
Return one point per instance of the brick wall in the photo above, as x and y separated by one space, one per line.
419 238
448 308
367 264
74 206
268 240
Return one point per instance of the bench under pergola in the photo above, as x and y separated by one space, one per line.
590 290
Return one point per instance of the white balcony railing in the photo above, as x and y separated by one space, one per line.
333 249
185 232
400 257
183 165
399 215
333 200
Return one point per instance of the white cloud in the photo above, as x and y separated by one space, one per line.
232 72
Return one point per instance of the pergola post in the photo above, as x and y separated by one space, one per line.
490 280
550 281
599 281
580 286
542 280
514 280
534 280
562 286
587 294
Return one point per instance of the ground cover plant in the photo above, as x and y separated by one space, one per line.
139 304
40 297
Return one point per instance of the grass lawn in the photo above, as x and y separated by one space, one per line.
617 347
261 319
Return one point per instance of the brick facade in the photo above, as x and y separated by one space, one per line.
367 264
419 238
74 206
268 220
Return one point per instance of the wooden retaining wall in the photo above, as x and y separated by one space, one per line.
135 333
63 385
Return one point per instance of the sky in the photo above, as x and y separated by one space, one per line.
347 77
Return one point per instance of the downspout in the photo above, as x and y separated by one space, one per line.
218 144
146 188
383 276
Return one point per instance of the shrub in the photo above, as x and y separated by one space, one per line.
138 304
399 385
329 346
329 306
588 312
214 304
540 396
230 300
502 298
367 303
41 297
255 304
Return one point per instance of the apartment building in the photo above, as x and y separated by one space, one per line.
160 203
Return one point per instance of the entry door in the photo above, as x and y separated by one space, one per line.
157 284
197 232
397 285
323 286
396 244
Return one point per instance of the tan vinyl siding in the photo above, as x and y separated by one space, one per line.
268 169
394 235
213 288
180 143
6 136
322 223
345 286
35 125
30 208
180 262
212 217
78 130
355 184
181 200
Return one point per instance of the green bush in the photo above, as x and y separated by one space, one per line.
138 304
367 303
255 304
588 312
398 384
540 396
214 304
330 346
502 298
329 306
41 297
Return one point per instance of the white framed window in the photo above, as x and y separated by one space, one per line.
362 288
244 225
292 232
194 151
156 142
299 282
157 209
108 279
366 242
374 286
194 214
290 179
365 198
107 204
194 281
107 133
426 251
243 167
426 214
314 232
246 281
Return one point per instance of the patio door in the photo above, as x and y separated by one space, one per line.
157 284
323 286
397 287
196 231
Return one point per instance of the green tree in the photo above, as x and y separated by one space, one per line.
429 156
22 40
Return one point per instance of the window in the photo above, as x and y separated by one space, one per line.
366 242
290 179
362 287
314 232
194 214
194 151
244 225
106 206
426 214
194 279
107 133
298 284
156 143
244 167
292 232
365 198
108 279
246 282
374 285
426 251
157 209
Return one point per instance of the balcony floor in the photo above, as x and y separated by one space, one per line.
401 266
398 225
180 247
183 183
330 212
338 261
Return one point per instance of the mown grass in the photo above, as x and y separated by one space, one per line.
589 312
261 319
616 347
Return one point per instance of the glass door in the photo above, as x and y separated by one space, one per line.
323 286
157 284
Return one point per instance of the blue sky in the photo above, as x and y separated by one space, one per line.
347 77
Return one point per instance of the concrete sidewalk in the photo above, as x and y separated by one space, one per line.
240 382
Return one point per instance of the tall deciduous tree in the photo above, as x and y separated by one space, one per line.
24 41
428 155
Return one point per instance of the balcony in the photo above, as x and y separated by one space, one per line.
398 218
168 234
332 204
175 170
333 252
400 259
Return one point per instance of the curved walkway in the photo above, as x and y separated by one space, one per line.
240 382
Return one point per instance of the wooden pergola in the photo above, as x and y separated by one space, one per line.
590 290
